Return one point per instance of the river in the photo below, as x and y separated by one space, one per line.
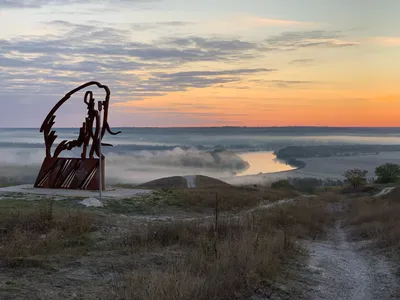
263 162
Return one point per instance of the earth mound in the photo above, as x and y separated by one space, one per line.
200 181
166 182
205 181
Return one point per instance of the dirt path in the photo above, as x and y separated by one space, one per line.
343 271
191 181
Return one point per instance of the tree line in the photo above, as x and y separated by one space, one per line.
386 173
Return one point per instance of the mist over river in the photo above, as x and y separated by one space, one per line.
142 154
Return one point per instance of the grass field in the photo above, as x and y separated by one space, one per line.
111 254
212 242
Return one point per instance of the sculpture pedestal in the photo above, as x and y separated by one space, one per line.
70 173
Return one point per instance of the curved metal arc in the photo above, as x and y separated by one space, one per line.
48 123
69 94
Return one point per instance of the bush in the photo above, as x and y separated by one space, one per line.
387 173
356 177
306 185
282 184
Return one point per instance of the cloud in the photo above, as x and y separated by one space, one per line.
302 39
386 40
285 83
214 73
75 53
290 40
93 40
159 25
294 36
264 21
42 3
247 21
29 3
301 61
180 81
96 48
289 83
38 70
216 44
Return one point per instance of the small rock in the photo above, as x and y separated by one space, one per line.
92 202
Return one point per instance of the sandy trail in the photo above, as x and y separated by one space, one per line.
343 271
385 191
191 181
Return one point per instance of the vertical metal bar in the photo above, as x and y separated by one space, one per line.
100 103
216 226
216 212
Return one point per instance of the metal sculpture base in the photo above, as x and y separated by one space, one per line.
70 173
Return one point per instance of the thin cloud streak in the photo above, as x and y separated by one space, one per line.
247 21
302 61
386 40
15 4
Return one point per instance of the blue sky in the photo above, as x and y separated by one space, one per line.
202 63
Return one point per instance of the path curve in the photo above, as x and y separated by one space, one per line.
343 272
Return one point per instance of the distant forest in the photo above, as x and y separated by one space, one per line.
293 152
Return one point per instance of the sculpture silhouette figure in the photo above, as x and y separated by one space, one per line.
76 173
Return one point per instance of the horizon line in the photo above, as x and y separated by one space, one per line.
205 127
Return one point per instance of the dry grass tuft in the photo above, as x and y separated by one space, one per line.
307 218
376 218
41 231
221 260
229 197
213 267
239 265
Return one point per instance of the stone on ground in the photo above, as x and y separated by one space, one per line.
92 202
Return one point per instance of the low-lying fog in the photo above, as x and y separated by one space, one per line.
143 154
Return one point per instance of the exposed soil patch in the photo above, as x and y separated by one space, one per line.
346 270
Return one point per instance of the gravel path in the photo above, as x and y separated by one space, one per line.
191 181
344 272
385 191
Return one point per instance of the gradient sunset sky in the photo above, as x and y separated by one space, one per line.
203 63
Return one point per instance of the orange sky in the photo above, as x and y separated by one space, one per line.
342 87
205 63
246 105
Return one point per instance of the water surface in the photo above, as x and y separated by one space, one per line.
263 162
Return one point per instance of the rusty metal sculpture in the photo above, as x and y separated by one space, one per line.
77 173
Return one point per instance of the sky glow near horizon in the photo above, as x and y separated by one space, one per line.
203 63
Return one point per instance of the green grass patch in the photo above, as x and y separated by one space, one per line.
40 228
151 204
126 186
229 198
23 203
